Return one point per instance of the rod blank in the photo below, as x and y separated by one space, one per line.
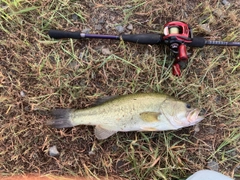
221 43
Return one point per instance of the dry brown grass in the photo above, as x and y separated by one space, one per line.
38 73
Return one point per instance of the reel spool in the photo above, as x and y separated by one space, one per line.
174 30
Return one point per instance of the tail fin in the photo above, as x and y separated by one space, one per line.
61 118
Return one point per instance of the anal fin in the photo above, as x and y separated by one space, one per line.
102 133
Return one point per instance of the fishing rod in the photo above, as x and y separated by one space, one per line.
177 36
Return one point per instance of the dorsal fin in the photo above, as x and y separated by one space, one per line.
104 99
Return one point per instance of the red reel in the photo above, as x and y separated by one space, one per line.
176 35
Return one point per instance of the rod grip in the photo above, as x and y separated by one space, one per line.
143 38
197 42
58 34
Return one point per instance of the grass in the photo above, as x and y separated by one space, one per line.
38 74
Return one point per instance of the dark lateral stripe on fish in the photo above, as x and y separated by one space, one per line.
61 118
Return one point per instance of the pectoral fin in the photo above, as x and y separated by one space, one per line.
102 133
150 116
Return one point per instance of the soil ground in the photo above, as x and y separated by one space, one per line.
38 74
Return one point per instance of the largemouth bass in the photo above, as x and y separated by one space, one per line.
135 112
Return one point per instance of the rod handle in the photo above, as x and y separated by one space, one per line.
143 38
197 42
58 34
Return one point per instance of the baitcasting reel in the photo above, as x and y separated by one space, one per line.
176 35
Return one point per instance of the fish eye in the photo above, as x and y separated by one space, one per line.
188 106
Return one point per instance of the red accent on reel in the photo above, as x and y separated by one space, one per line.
182 53
176 70
183 30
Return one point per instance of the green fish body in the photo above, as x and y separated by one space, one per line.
135 112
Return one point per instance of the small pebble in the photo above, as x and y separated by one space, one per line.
213 165
112 18
95 20
74 64
234 153
75 17
106 51
98 27
197 128
225 3
101 21
219 13
130 27
129 6
205 27
91 153
86 30
53 151
81 55
22 93
120 29
211 130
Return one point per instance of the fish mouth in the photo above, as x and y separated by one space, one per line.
193 116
